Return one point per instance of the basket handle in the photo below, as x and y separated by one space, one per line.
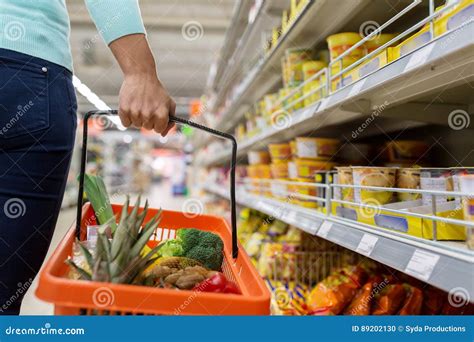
80 196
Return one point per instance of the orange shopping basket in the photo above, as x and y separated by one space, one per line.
80 297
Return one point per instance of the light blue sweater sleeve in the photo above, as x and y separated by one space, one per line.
115 18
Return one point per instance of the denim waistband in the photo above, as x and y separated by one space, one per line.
19 57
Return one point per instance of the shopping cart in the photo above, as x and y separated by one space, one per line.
76 297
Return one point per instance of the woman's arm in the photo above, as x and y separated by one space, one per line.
143 101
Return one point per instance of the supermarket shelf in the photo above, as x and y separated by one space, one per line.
235 30
311 26
397 87
268 15
446 265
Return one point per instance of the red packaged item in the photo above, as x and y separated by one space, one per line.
389 300
413 301
433 301
335 292
362 302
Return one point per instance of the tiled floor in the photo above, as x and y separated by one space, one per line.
159 196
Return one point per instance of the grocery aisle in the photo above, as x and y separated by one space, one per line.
354 166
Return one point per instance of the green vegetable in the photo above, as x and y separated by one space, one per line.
196 244
97 193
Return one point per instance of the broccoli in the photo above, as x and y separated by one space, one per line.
196 244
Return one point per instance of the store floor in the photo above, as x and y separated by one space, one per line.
159 196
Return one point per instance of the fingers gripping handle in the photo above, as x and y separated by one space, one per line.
176 119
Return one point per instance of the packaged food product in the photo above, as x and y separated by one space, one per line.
408 178
344 174
306 167
454 17
344 79
297 55
340 42
361 305
378 41
373 176
466 183
436 179
258 157
422 37
279 169
305 189
316 148
293 148
336 291
252 171
270 102
279 152
310 68
413 301
433 301
390 299
292 170
405 150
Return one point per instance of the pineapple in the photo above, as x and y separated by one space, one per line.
121 260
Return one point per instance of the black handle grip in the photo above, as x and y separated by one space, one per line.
235 249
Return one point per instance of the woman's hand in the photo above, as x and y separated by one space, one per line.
143 101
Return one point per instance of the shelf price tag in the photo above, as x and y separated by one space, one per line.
367 244
356 88
323 231
419 57
422 264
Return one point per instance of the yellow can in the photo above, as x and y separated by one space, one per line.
341 42
316 148
280 152
279 169
306 167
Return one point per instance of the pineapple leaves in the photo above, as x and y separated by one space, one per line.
119 257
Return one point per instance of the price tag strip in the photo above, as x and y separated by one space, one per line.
323 231
367 244
422 264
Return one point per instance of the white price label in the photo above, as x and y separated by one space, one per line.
367 244
357 87
323 231
419 57
422 264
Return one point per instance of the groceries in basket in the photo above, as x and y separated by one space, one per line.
121 253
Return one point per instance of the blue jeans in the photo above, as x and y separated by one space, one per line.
37 130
